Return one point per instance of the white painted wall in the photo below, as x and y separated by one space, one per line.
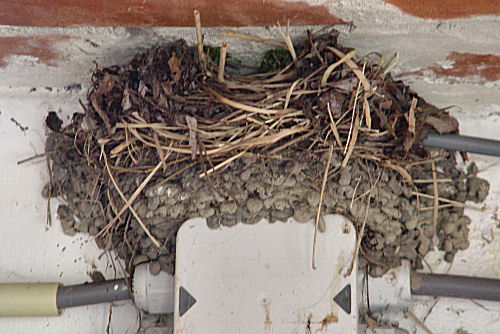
31 250
32 253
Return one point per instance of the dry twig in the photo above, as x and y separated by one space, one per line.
436 197
288 41
318 212
360 237
445 200
199 36
139 220
128 204
222 62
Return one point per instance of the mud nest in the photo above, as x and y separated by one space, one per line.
161 140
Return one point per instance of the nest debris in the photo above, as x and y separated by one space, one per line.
162 140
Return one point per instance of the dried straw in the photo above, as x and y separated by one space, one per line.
318 212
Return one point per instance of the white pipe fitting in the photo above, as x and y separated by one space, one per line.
153 294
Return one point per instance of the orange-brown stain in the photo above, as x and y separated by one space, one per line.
447 9
330 318
469 67
40 47
485 67
148 13
267 320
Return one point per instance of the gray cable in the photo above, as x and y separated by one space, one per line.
94 293
455 286
463 144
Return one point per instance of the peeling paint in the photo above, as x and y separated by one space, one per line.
132 13
41 48
484 66
447 9
462 68
330 318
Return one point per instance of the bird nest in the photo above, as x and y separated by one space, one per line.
173 135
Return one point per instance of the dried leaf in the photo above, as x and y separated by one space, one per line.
355 69
352 142
385 104
106 85
335 101
126 101
411 117
333 66
143 89
102 114
408 141
443 124
175 68
53 122
155 86
167 89
346 85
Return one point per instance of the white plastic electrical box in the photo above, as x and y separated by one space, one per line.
259 278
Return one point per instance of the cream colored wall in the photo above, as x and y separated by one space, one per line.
37 57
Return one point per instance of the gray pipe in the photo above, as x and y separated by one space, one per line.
455 286
463 144
94 293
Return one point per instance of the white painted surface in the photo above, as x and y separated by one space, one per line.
153 293
31 251
382 28
259 278
482 257
389 292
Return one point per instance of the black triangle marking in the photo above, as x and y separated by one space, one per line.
343 298
186 301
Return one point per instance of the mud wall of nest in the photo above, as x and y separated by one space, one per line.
167 137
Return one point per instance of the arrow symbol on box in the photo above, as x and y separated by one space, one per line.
343 299
186 301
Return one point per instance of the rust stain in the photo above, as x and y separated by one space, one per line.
41 47
484 66
329 319
340 262
267 320
464 67
447 9
144 13
346 229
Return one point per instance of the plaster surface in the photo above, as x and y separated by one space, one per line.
450 60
